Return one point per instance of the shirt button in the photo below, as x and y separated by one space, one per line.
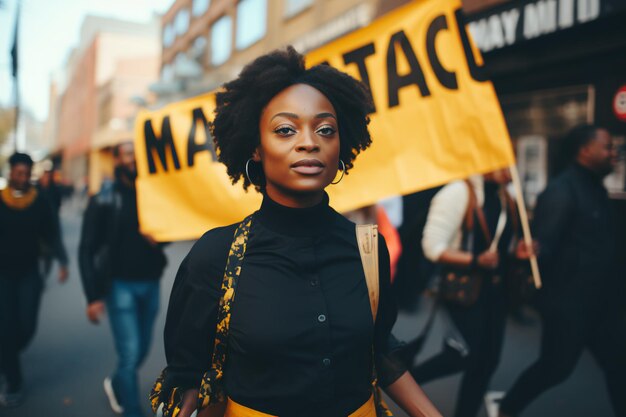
314 283
321 318
326 362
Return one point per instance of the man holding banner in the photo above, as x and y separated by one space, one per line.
580 303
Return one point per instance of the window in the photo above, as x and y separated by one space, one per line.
167 73
197 48
200 6
293 7
182 22
168 35
221 40
251 22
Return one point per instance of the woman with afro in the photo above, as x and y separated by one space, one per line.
301 339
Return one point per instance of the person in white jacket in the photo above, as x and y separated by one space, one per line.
453 241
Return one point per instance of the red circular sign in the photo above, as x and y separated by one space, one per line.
619 103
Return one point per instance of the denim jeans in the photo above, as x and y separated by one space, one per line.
132 308
20 296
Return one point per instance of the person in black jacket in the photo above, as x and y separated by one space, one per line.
574 226
26 221
120 269
47 186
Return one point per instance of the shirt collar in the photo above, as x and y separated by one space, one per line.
589 174
310 221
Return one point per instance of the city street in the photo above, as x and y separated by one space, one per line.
69 357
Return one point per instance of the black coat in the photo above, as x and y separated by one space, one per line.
573 224
106 229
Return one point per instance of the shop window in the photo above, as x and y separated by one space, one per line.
200 7
251 22
182 22
293 7
221 40
168 35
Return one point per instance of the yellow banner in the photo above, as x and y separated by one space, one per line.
437 119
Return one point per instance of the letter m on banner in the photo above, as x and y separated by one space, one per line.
161 145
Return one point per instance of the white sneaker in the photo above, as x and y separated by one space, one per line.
492 402
108 389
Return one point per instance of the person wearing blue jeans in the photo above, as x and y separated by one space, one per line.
120 269
132 306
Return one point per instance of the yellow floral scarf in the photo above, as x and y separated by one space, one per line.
17 200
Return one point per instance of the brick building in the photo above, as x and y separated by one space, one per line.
115 62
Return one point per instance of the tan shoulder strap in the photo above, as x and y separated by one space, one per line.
367 239
474 207
468 220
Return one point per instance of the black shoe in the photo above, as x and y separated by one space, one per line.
11 399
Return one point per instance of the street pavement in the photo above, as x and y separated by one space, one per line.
68 359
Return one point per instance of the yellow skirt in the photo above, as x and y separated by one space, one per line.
237 410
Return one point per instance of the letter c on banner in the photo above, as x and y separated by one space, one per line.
445 77
476 72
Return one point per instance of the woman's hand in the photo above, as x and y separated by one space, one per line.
410 397
488 260
524 251
190 403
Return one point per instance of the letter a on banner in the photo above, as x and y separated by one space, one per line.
436 119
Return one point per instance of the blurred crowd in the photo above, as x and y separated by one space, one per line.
465 248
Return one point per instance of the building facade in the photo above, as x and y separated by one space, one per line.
206 43
107 77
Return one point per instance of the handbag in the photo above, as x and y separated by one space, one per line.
462 285
212 399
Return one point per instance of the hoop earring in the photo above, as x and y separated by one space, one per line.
343 172
247 171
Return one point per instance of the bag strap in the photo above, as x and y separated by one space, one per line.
512 209
229 285
367 240
474 207
468 220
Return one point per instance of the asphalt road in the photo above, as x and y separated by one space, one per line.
69 357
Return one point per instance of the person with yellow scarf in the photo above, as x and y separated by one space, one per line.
26 221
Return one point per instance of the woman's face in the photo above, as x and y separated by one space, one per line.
299 146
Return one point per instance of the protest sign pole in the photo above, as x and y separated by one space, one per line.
519 197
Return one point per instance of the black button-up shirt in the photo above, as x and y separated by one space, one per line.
301 330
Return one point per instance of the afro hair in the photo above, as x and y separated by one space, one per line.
20 158
240 104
